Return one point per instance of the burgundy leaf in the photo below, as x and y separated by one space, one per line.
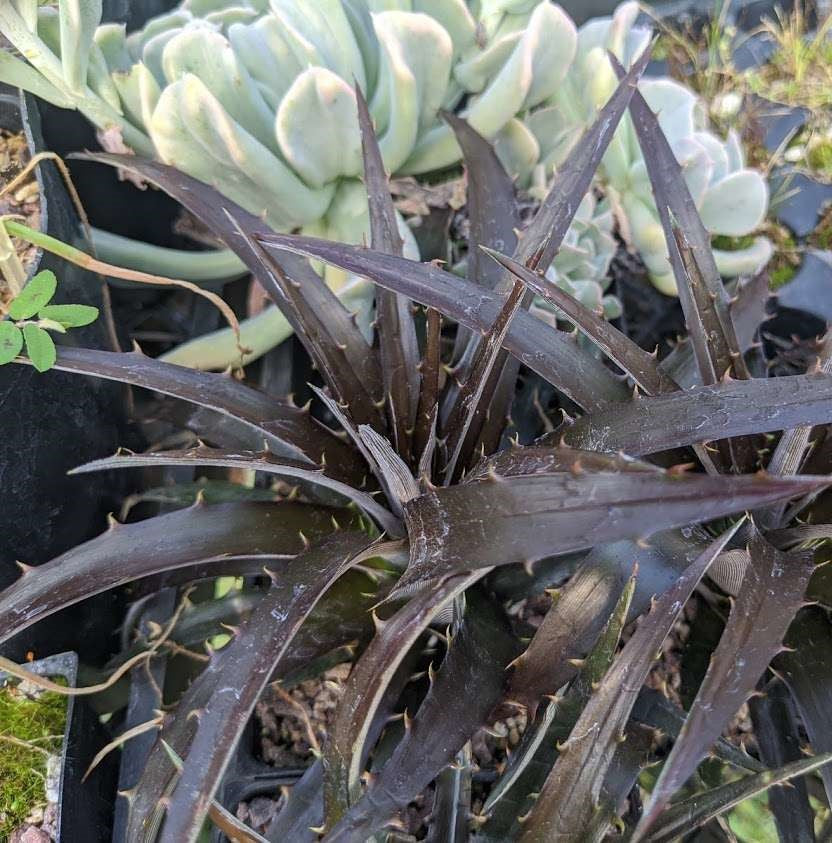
704 414
572 790
467 686
188 538
321 322
344 752
773 589
639 364
289 431
394 317
805 670
263 461
521 519
688 815
778 741
238 674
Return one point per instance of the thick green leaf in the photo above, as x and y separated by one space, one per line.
547 351
184 539
688 815
11 342
40 347
20 74
521 519
467 686
263 461
704 414
78 20
239 673
316 314
772 592
35 295
572 790
69 315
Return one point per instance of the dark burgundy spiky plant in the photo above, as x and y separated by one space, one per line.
413 506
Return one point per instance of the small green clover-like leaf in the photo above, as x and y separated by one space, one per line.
70 315
39 347
35 295
11 342
51 325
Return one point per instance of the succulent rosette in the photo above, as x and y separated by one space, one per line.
731 198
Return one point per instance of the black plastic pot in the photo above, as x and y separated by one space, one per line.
246 777
53 422
85 807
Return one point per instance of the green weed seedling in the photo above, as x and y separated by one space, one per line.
31 317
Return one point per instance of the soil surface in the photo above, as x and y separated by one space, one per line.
24 201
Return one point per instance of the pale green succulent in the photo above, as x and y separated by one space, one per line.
257 98
732 199
581 267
